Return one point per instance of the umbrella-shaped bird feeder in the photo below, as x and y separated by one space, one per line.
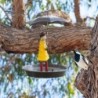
51 70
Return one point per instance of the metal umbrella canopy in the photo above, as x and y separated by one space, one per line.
44 20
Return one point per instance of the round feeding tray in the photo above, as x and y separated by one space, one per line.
53 71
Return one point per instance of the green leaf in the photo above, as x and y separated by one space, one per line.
70 88
28 58
48 1
20 61
2 1
42 7
29 80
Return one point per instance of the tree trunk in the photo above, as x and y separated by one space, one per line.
59 39
18 14
87 81
77 11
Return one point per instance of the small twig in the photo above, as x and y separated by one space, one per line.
6 13
91 18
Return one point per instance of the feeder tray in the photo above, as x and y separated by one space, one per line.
53 71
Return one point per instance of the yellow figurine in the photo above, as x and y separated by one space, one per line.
42 53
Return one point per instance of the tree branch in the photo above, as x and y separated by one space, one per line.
18 14
59 39
6 13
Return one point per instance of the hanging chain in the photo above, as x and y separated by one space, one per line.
47 16
47 21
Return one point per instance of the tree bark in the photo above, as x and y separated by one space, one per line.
77 11
87 81
59 39
18 14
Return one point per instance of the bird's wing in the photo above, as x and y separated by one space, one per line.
85 59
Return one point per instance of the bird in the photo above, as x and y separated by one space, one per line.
80 60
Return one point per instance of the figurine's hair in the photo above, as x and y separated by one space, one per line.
42 34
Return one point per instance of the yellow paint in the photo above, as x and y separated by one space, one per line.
42 53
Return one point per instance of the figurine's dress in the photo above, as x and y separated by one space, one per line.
42 53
